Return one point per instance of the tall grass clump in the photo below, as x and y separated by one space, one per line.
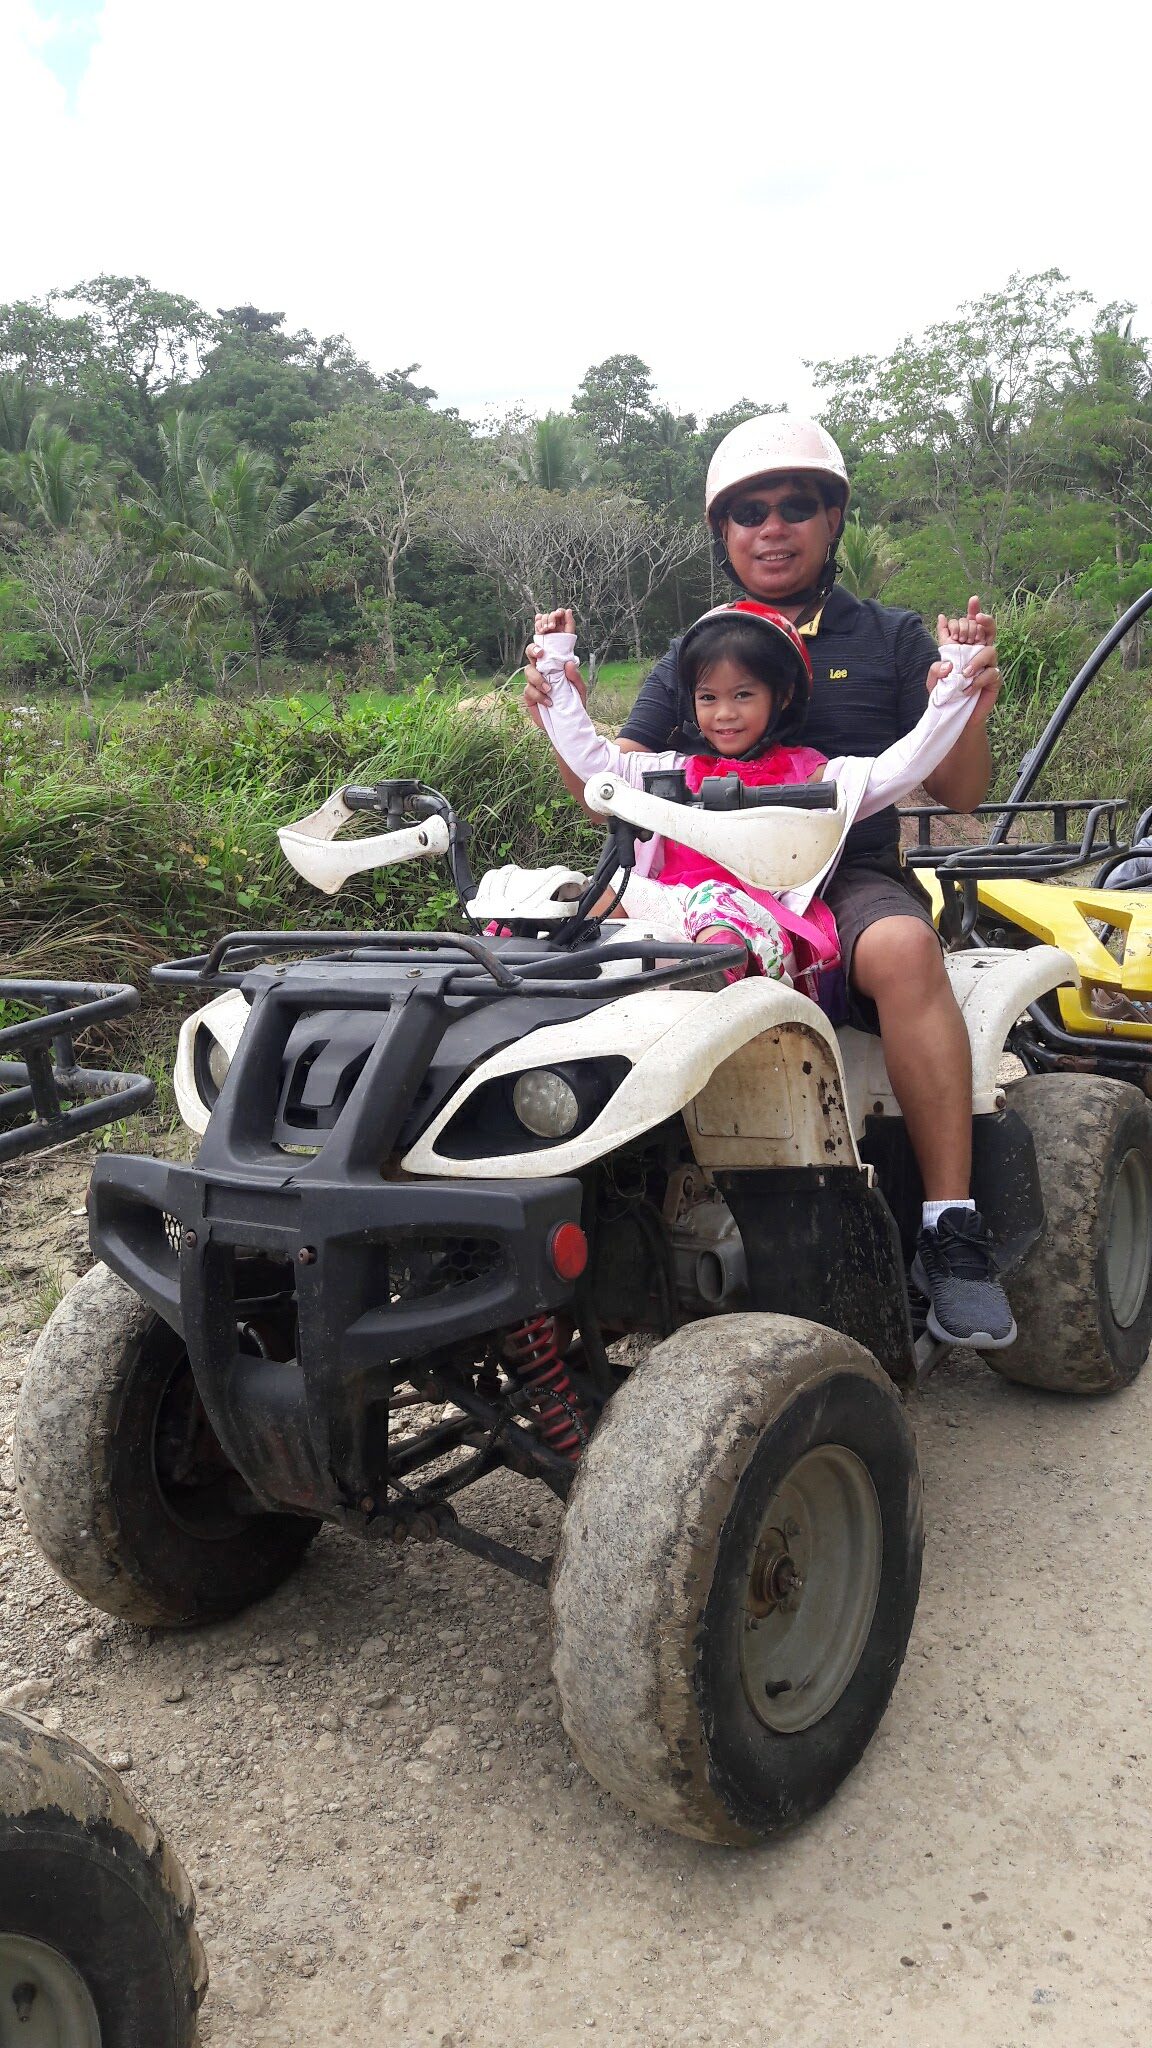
162 834
1106 748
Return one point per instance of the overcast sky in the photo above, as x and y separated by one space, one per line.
507 193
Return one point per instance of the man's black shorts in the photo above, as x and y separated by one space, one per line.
861 893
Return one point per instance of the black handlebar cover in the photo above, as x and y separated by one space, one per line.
728 793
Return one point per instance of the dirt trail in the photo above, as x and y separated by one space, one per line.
393 1845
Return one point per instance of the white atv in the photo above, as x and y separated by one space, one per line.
456 1168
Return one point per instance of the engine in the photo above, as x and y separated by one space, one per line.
707 1248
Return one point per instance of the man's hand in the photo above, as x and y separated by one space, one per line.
536 690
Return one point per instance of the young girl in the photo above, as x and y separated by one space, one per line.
745 679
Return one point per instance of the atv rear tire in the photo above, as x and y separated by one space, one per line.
1082 1296
116 1501
97 1943
737 1576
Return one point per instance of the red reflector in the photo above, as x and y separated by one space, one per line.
568 1251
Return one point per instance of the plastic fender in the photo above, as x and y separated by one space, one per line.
225 1017
679 1041
1061 916
769 849
993 989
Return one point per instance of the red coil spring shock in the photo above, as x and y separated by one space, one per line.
535 1355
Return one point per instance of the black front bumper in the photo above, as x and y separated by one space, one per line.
306 1431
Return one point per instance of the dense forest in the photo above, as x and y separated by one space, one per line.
195 495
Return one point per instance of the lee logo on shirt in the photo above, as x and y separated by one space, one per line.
837 675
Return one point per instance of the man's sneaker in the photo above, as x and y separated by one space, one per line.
955 1269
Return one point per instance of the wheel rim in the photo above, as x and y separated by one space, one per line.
1128 1240
812 1589
44 2002
194 1479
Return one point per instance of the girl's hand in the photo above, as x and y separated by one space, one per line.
536 688
977 630
555 622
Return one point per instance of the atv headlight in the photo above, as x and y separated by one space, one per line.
545 1104
210 1064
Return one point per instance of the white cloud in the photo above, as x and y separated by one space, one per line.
508 192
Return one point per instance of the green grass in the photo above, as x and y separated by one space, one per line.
163 833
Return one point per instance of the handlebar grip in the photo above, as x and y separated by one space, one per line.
358 798
728 793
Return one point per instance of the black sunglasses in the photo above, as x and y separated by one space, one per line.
793 511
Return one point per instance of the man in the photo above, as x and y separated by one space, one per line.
775 500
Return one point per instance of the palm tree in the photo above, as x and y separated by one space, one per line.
229 534
52 482
868 560
552 456
21 404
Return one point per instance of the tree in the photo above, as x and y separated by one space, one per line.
147 339
868 561
113 363
43 346
271 383
602 554
615 396
89 595
54 481
1103 446
379 466
550 454
951 420
243 540
22 406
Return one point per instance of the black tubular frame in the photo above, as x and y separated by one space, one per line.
45 1097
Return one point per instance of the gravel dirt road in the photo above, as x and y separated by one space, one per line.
392 1843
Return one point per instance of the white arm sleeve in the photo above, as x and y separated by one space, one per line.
570 729
893 774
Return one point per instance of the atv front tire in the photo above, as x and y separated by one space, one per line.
97 1943
737 1576
1082 1297
122 1481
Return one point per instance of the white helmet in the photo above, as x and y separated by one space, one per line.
773 442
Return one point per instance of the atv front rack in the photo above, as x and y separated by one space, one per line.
45 1097
474 969
1034 859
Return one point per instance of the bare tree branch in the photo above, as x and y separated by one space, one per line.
602 554
90 596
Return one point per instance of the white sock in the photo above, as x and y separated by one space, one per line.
931 1213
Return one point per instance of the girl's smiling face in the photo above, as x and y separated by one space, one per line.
734 709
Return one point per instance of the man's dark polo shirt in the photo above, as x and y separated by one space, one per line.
869 666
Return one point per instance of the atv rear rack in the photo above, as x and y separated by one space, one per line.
45 1098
